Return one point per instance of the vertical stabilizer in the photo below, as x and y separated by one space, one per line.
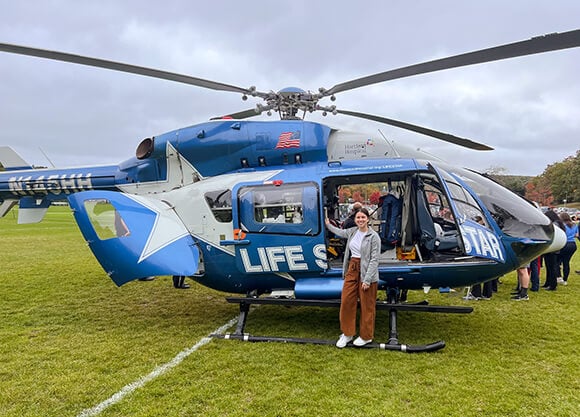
10 160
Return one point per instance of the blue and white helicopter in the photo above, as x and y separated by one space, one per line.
239 206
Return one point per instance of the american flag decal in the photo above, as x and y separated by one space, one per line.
288 140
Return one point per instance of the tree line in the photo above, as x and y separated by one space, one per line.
558 184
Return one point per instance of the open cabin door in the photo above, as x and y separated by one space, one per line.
476 237
279 229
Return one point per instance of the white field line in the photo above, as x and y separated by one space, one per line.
160 370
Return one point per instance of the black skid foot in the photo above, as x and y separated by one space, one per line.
431 347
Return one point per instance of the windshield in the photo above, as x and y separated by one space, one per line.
516 216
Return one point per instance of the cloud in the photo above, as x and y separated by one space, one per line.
526 108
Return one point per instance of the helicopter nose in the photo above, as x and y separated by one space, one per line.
559 240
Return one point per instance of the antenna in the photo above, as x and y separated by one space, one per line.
46 156
386 140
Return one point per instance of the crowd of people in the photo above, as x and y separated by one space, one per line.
556 265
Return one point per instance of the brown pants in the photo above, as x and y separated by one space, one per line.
351 292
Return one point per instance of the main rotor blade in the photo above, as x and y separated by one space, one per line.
239 115
423 130
119 66
545 43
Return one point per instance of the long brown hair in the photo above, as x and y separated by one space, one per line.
565 217
364 211
553 216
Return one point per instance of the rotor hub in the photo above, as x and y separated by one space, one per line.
289 101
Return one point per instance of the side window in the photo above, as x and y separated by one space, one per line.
466 206
281 209
220 203
105 219
438 203
278 205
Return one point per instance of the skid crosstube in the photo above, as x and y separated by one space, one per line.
392 344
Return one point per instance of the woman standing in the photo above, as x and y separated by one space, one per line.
567 251
361 276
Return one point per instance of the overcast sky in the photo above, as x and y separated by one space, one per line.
527 108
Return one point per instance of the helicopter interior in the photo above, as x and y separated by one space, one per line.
414 218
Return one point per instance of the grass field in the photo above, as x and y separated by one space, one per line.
70 340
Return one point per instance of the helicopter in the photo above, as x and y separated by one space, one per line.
240 206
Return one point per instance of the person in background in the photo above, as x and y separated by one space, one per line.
523 284
361 276
567 251
551 259
349 221
535 266
475 293
179 282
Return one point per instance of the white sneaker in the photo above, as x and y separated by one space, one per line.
343 341
361 342
560 280
564 282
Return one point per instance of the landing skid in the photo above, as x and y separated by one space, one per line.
393 307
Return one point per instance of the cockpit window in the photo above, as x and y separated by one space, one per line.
437 201
467 207
514 215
